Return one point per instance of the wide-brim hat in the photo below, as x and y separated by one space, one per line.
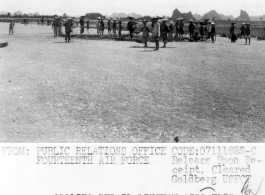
164 19
69 18
99 18
191 20
201 22
171 22
181 18
209 21
130 17
243 23
212 23
115 19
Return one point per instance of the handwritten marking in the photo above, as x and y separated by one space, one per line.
207 189
246 191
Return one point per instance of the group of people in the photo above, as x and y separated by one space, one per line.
114 27
57 26
161 30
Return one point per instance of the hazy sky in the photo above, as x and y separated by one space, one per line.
143 7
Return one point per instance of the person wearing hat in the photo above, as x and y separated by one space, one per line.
212 31
202 30
146 30
177 27
191 29
98 27
242 29
82 24
181 27
60 25
209 27
102 26
164 30
120 28
55 26
156 32
109 27
233 32
196 31
248 33
11 26
68 29
114 27
171 28
130 26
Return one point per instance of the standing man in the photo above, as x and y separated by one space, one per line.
212 31
196 31
82 24
145 34
60 25
87 26
171 28
120 28
177 27
55 26
98 27
42 21
242 29
114 26
156 32
11 27
191 29
109 27
181 27
130 26
164 30
68 29
209 27
201 30
233 32
102 26
248 33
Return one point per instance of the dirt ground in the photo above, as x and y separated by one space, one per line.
116 91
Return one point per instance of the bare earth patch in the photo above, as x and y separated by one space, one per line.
117 91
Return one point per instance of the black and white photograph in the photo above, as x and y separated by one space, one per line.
132 71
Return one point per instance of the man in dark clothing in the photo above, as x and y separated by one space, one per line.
232 33
247 33
242 29
212 31
87 26
181 27
109 28
68 29
130 26
164 30
201 30
82 24
191 29
55 26
114 27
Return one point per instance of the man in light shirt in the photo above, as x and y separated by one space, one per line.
156 32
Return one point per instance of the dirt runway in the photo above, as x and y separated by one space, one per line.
116 91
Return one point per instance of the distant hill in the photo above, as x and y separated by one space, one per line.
224 17
3 13
197 16
257 18
34 14
243 16
124 15
17 13
177 13
212 14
